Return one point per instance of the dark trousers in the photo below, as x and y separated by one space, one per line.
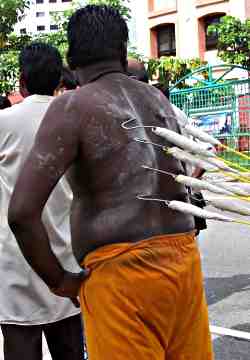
64 339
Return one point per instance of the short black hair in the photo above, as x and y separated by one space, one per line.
96 33
4 102
41 68
68 79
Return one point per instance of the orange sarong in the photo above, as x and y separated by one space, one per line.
145 301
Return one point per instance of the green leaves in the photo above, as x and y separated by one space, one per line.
9 71
168 70
233 40
11 11
121 5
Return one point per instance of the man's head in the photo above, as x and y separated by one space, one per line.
137 69
68 79
40 69
4 102
67 82
96 34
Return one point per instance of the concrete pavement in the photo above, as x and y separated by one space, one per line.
225 252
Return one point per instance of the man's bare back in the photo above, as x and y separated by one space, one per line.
106 209
82 131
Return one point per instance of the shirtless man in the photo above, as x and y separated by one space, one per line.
136 69
143 297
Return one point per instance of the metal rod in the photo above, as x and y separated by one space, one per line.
147 142
229 332
147 198
160 171
124 125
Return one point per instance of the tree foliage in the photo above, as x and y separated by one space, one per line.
168 69
233 40
121 5
11 11
9 71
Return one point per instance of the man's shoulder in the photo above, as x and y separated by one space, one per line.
8 114
87 98
89 91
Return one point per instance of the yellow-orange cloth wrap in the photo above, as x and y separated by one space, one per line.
146 301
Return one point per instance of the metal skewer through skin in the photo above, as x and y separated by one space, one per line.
192 182
189 144
187 209
181 155
207 163
190 159
182 141
195 148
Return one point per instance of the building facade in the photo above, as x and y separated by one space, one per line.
179 27
39 18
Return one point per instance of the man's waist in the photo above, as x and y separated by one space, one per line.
108 251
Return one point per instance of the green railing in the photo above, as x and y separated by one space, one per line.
220 107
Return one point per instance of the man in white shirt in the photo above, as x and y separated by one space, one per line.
27 307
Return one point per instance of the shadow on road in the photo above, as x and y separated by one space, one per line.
226 348
218 289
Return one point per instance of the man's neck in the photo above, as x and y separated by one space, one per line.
93 72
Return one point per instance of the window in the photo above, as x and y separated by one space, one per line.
212 39
66 0
164 4
53 27
52 1
39 1
40 27
159 4
40 14
166 40
23 31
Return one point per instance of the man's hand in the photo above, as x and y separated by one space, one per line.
70 285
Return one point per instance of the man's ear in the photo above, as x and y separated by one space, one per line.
22 86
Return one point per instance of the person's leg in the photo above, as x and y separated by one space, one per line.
65 339
192 338
146 301
22 342
129 302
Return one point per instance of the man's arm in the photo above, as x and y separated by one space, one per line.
55 148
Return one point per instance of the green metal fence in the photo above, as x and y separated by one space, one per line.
220 108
